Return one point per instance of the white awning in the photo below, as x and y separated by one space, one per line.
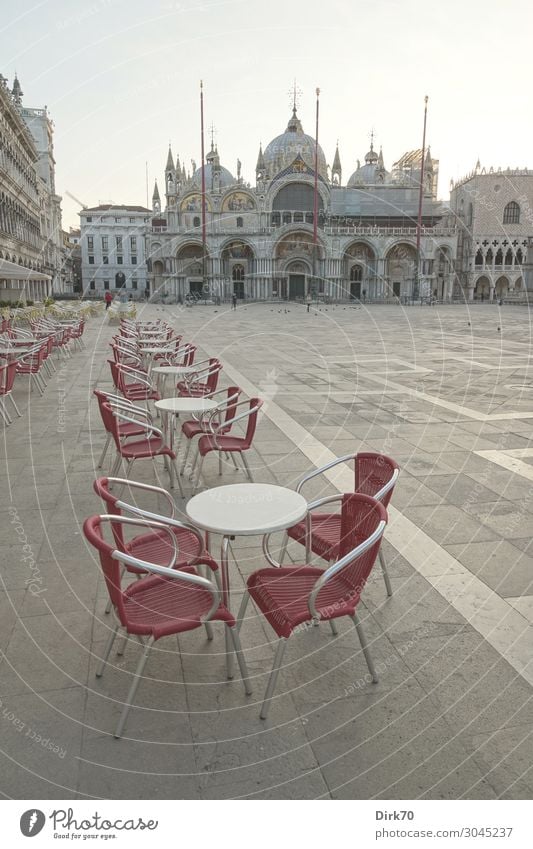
12 271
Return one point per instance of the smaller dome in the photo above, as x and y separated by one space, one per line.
371 157
365 175
213 167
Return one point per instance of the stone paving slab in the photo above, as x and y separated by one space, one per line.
451 716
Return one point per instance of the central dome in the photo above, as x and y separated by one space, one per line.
284 149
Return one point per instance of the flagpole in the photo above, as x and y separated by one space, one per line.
416 288
315 197
204 230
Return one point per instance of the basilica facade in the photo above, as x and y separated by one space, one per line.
259 238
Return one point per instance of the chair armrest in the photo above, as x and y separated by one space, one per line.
388 486
148 488
126 520
313 474
173 574
148 426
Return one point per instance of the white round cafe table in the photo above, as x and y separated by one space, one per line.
177 371
168 406
174 369
244 509
148 354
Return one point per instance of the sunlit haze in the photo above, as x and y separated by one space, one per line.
121 78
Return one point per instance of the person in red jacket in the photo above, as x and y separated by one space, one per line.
108 298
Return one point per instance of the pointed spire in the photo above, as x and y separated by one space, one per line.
155 195
260 159
336 170
371 158
429 161
16 91
170 161
337 159
381 164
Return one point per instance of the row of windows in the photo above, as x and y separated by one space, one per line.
119 259
196 222
105 243
134 284
89 219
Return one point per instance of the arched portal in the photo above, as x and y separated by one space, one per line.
294 258
502 287
190 265
359 268
482 289
237 261
400 269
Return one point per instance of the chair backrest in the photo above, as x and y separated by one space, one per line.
101 488
254 407
92 528
106 412
115 374
374 473
361 516
189 354
232 399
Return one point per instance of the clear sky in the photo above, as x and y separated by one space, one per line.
121 79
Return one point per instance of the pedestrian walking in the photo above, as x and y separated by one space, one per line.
234 301
308 301
108 298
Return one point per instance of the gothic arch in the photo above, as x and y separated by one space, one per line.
482 287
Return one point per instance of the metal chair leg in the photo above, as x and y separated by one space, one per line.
246 466
4 413
333 627
122 647
116 466
9 395
107 651
134 685
198 474
241 660
176 476
186 457
386 578
194 462
220 462
104 451
234 461
278 659
242 609
364 646
283 550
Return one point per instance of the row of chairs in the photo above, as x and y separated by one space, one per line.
177 584
31 353
125 417
132 430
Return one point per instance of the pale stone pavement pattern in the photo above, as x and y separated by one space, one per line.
441 390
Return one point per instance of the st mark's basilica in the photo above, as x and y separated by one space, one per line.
260 238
